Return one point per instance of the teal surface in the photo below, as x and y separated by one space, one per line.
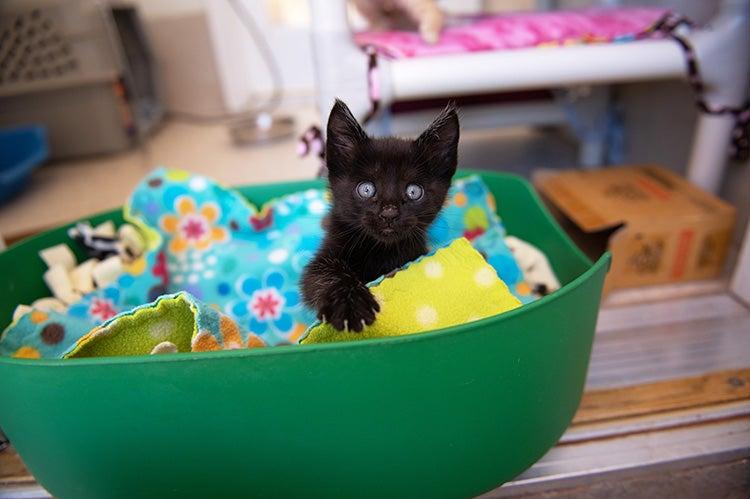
451 413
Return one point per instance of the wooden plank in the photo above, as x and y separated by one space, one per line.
651 354
11 466
11 239
663 396
669 312
664 292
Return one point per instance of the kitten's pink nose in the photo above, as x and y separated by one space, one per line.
389 212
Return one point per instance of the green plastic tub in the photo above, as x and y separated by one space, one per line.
450 413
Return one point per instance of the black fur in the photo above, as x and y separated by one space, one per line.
361 243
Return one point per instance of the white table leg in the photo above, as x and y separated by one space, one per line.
741 276
722 53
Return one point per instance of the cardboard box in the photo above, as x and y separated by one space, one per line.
659 227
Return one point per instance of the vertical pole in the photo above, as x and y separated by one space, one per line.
741 276
723 57
340 66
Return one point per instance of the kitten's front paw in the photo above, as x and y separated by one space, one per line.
350 308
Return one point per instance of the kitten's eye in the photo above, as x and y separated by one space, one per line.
414 192
366 190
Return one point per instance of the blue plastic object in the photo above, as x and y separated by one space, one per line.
22 149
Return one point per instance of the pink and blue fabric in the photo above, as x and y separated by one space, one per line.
516 31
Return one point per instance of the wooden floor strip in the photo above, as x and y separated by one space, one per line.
663 396
11 466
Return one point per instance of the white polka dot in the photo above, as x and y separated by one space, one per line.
317 207
294 199
485 277
211 260
160 330
427 316
178 279
274 234
196 255
278 256
193 278
198 184
311 194
209 274
198 266
283 209
433 270
181 257
172 267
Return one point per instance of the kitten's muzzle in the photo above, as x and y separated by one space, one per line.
389 212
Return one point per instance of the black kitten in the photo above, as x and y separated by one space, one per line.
386 192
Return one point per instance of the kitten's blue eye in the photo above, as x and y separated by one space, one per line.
414 192
366 190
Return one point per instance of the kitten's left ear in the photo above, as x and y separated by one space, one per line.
343 139
439 143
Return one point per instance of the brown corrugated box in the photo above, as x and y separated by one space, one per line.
659 227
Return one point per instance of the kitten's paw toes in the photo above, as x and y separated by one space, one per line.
351 310
363 309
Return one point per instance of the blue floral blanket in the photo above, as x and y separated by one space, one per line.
241 260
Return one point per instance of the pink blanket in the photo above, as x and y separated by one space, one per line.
522 30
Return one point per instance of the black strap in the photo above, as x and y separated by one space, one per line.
374 96
740 146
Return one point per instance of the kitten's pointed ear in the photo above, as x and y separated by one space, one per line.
438 145
343 138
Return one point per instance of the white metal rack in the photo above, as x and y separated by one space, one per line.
721 47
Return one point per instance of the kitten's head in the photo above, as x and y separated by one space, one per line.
391 188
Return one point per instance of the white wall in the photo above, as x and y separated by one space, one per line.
156 8
243 75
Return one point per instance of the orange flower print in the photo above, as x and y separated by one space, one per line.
193 227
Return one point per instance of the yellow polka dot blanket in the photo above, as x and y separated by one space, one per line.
452 286
214 257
